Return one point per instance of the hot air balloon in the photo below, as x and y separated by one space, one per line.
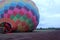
18 15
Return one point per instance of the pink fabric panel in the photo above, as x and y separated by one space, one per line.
10 12
29 14
16 10
22 11
34 18
5 16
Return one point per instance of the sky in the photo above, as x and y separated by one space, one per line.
49 11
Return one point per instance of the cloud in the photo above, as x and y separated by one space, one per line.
0 0
49 13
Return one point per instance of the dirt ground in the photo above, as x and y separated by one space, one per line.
40 35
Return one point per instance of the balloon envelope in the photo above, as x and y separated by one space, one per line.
18 15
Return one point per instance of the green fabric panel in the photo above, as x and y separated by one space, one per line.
18 16
23 18
2 24
28 21
31 26
15 18
12 16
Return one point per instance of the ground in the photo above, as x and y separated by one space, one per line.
36 35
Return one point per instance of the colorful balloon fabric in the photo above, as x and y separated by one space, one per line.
18 15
